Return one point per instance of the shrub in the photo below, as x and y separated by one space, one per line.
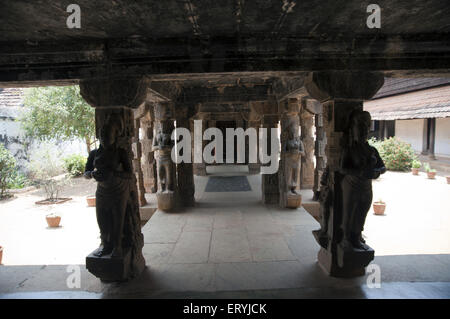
416 164
44 166
18 180
396 154
75 164
428 169
7 168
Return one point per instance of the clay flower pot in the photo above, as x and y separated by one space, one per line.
431 175
1 254
415 171
91 201
53 220
379 207
448 179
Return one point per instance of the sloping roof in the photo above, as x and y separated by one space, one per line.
11 102
394 86
428 103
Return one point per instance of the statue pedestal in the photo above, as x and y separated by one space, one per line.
166 200
293 200
114 269
345 264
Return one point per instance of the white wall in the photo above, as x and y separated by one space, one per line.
410 131
12 137
442 142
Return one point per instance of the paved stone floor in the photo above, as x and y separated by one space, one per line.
232 246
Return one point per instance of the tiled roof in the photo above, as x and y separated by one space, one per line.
393 86
428 103
11 102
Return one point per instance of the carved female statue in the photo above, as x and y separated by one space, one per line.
360 163
113 172
293 150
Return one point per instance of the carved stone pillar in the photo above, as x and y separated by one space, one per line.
307 169
290 157
119 256
185 173
199 168
165 167
341 93
269 183
319 151
255 168
137 154
148 158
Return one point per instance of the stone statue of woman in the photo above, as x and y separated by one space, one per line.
360 163
113 172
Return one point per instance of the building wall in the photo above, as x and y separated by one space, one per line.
12 137
410 131
442 142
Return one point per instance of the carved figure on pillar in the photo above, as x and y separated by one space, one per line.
360 163
163 143
293 149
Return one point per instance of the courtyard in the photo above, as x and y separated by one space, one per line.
231 245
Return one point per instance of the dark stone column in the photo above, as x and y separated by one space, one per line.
255 168
307 170
292 150
185 172
269 184
319 151
119 256
342 92
148 157
137 154
199 168
162 146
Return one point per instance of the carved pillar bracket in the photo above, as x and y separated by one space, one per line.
165 167
292 150
119 256
342 94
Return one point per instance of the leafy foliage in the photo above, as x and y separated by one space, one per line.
396 154
7 168
75 164
416 164
17 180
58 113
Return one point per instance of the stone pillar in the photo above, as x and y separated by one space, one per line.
269 182
255 168
290 157
307 169
319 151
119 256
199 168
148 158
341 92
137 154
162 146
185 172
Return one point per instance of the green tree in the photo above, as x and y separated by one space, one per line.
7 167
58 112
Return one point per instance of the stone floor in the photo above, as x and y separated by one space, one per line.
232 246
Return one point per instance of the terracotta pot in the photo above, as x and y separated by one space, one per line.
431 175
53 221
1 254
379 208
448 179
415 171
91 201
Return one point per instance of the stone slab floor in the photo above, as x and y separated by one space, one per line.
232 246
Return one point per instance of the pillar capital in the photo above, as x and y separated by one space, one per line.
347 85
126 91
